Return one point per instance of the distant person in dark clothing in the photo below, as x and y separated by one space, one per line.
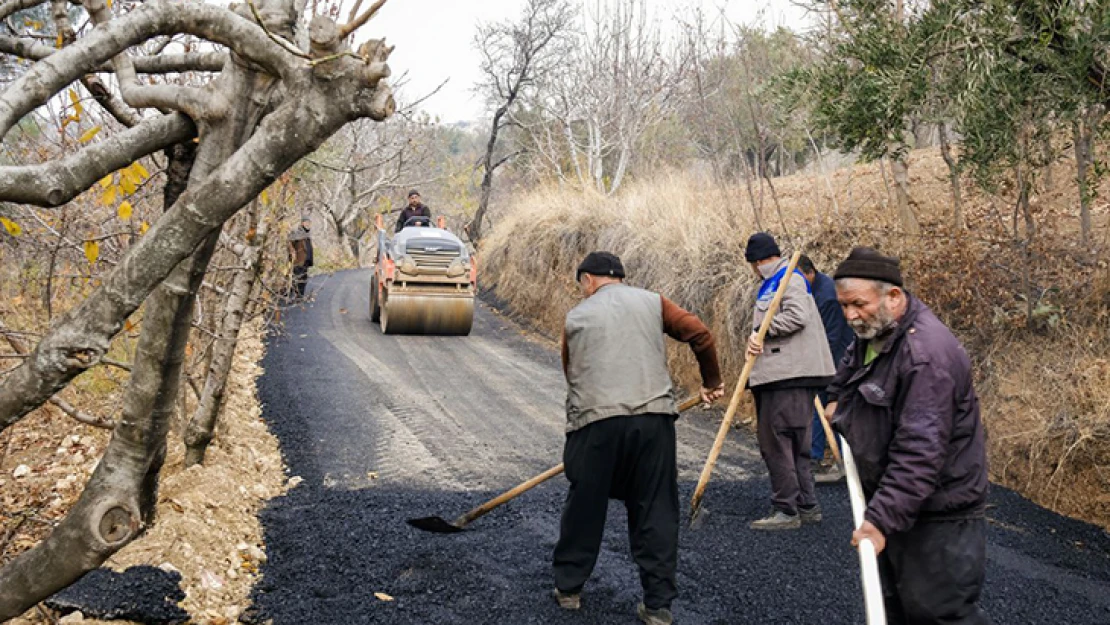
904 400
839 336
416 208
300 251
621 430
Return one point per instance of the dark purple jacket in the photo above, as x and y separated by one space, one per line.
912 420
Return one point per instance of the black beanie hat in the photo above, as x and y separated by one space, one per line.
760 246
412 192
867 263
600 264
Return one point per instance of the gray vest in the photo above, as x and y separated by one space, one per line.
617 363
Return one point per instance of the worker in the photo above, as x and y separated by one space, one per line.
905 402
300 252
415 208
621 429
839 337
793 363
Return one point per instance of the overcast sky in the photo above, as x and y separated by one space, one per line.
434 40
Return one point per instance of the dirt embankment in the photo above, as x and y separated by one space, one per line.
1033 313
207 526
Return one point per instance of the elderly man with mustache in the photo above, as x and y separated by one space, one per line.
904 400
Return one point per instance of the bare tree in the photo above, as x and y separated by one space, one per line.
272 102
514 55
621 79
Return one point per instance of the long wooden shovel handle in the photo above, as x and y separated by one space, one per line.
868 561
829 436
726 423
524 487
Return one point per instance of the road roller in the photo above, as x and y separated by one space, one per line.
424 281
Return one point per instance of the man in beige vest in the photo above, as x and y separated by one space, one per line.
794 362
620 429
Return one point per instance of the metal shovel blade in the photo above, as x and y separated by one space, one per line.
435 525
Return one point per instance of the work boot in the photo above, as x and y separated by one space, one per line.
809 515
567 601
828 474
660 616
778 520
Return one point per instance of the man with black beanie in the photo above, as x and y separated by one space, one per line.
905 402
793 363
620 429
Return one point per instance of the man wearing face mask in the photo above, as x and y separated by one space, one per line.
905 402
793 363
620 429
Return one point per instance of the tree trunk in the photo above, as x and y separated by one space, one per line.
485 190
953 176
118 502
1083 134
203 423
900 172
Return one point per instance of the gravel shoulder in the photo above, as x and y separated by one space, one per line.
381 429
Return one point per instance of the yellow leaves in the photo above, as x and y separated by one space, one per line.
381 596
140 170
89 134
144 227
59 42
127 184
124 210
13 228
264 197
106 181
92 251
108 197
78 109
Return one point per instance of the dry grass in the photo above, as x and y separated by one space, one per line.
1043 378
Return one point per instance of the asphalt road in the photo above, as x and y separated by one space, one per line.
384 428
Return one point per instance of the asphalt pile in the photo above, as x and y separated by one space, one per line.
143 594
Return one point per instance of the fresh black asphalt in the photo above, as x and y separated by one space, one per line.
334 542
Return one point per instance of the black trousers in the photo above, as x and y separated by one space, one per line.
785 439
300 279
933 573
632 459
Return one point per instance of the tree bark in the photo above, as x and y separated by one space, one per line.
953 176
202 426
900 172
1083 135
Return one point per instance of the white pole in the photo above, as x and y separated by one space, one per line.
868 562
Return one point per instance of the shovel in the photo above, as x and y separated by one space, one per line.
439 525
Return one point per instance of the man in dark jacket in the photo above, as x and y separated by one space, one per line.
620 429
416 208
839 337
904 401
793 364
300 251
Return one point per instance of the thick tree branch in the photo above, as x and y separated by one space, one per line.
310 113
56 182
170 63
156 17
14 6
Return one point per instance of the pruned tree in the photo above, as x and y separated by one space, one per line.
516 55
282 88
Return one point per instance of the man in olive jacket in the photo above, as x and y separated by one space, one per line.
905 402
793 363
620 429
